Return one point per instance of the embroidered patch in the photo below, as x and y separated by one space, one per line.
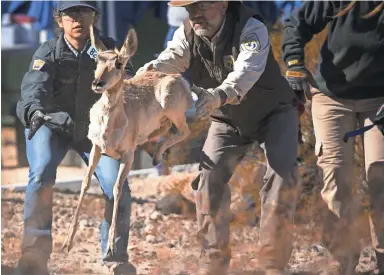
38 64
250 43
228 61
293 62
92 52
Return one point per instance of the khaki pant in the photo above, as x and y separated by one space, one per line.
224 148
331 119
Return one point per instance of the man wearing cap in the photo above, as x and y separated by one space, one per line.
56 97
227 49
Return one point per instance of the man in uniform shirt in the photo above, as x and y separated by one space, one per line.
238 82
56 97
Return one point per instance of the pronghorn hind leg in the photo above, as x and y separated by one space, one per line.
183 133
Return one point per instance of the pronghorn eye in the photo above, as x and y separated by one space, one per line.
118 65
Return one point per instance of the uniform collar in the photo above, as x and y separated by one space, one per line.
75 52
215 38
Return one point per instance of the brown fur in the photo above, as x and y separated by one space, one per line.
128 114
353 3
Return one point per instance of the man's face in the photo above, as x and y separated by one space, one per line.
206 17
76 21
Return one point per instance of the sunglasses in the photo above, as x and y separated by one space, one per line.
75 13
200 6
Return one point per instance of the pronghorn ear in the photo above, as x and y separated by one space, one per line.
129 47
95 41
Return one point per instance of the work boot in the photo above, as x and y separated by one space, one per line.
213 264
123 268
31 263
348 265
380 263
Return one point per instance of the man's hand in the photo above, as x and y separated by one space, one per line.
208 100
300 79
38 119
144 69
379 119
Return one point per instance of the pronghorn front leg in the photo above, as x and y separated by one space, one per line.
125 166
94 158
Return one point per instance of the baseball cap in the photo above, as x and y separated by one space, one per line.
64 5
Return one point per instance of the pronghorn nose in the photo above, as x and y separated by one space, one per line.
98 83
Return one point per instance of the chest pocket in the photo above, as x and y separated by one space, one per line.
65 82
67 71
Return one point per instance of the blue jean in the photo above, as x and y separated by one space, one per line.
45 152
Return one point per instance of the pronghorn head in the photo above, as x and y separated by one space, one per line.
110 68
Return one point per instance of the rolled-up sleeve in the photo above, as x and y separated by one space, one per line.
250 63
175 58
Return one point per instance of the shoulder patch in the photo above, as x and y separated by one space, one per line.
38 64
250 43
228 61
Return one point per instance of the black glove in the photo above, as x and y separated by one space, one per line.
379 119
38 119
300 79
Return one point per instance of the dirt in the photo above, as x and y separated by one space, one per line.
158 244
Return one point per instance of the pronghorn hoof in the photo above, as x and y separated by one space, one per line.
111 249
155 161
66 247
111 244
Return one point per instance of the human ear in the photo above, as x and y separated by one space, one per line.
59 21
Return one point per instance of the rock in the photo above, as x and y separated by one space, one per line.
150 239
63 212
159 239
174 204
9 234
83 224
83 250
318 250
188 225
155 216
66 225
172 243
149 229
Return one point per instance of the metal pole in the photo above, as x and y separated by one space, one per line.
111 19
100 7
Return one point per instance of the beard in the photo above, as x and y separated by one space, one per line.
204 32
207 29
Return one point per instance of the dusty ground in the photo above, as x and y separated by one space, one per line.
158 244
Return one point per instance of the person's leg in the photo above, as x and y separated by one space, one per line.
44 152
331 119
106 172
374 166
222 151
279 192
